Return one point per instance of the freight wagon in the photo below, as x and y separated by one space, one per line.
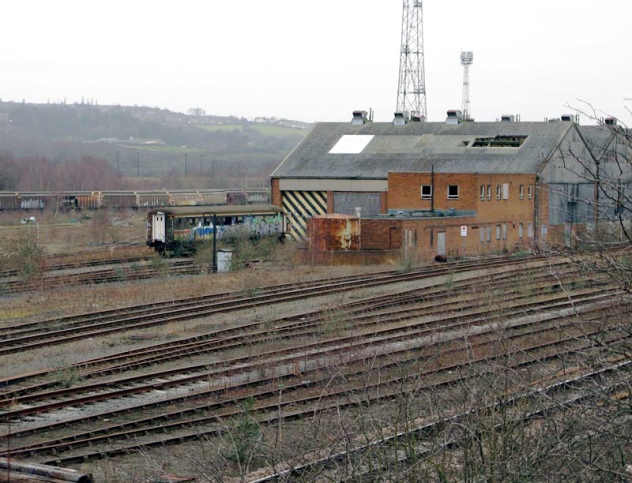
92 200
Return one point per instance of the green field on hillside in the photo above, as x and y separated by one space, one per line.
264 129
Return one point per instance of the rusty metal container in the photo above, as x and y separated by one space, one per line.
334 232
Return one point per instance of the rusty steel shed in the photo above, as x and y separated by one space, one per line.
334 232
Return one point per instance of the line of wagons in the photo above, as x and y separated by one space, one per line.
93 200
179 229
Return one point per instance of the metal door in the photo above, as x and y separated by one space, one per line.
441 243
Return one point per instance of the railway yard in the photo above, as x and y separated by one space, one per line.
466 371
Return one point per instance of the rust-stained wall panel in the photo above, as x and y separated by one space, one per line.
334 232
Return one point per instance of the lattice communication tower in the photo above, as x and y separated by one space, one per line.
467 59
411 90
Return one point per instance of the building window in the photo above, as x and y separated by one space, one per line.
489 191
453 192
498 191
521 192
505 191
482 192
482 234
530 191
530 230
504 231
489 233
426 192
497 232
520 230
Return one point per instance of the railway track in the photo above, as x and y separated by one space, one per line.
16 338
568 392
304 396
289 372
365 314
346 345
95 272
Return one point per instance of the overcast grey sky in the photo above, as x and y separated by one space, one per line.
317 61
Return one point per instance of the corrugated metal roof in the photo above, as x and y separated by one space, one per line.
419 146
227 210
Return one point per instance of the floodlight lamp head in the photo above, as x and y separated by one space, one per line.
32 219
467 58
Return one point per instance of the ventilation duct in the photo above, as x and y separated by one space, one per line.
359 117
454 117
401 118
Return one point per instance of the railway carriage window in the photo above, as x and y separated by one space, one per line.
453 192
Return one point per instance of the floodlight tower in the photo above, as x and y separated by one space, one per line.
411 90
467 59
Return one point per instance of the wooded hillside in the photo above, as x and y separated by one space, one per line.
90 147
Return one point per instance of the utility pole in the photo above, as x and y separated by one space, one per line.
411 89
214 266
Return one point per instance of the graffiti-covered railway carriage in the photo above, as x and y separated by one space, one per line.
173 229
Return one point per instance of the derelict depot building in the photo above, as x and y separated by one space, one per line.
443 188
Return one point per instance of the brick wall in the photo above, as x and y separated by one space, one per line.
504 206
275 196
380 234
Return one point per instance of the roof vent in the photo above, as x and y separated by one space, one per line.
610 121
454 117
401 118
359 117
417 117
507 118
569 117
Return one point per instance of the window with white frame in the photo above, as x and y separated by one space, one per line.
504 231
530 230
482 192
489 191
453 192
497 232
520 230
505 191
426 192
482 234
488 233
498 191
530 191
521 192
